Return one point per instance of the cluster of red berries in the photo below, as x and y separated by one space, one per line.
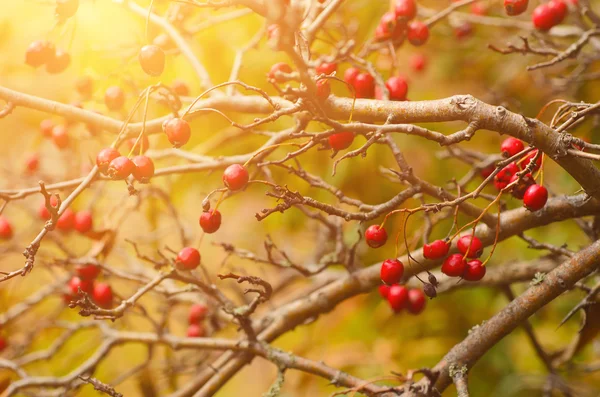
196 317
111 163
545 16
85 280
45 53
6 231
81 221
398 296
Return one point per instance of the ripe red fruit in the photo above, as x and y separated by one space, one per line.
543 17
77 283
436 250
375 236
152 60
85 86
88 272
341 140
195 331
180 88
32 163
66 220
188 259
454 265
103 295
416 301
59 62
529 158
323 89
105 156
210 221
472 244
120 168
326 68
518 191
474 270
235 177
65 9
38 53
515 7
197 313
46 127
350 75
398 88
144 168
83 221
511 146
384 291
559 10
60 136
114 98
5 229
535 197
391 271
178 131
418 33
502 178
144 143
398 297
364 85
43 211
406 9
281 67
418 62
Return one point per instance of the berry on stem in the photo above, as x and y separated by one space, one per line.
152 60
83 221
197 313
511 146
436 249
103 295
341 140
235 177
470 245
454 265
535 197
391 271
187 259
474 270
376 236
398 297
416 301
144 168
210 221
120 168
178 131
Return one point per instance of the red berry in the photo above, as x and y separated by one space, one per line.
144 143
38 53
418 62
350 75
60 136
559 10
470 245
178 131
515 7
180 88
83 221
384 291
375 236
85 86
529 158
210 221
511 146
195 331
543 17
32 163
474 270
43 211
120 168
323 89
105 156
398 297
398 88
341 140
281 67
518 190
65 9
535 197
77 283
5 229
103 295
197 313
454 265
416 301
418 33
88 272
114 98
152 60
144 168
59 62
66 220
326 68
364 85
46 127
188 259
391 271
436 250
235 177
406 9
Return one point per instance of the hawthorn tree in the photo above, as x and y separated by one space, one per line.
97 261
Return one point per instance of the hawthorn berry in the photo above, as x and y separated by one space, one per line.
210 221
66 221
418 62
235 177
104 158
418 33
470 245
398 88
46 127
83 221
398 297
341 140
376 236
384 291
454 265
76 284
326 68
197 313
405 9
135 148
178 131
543 17
195 331
436 249
59 62
515 7
323 89
85 86
474 271
65 9
6 231
144 168
416 301
32 163
391 271
187 259
152 60
277 69
103 295
180 88
114 98
38 53
350 75
60 136
511 146
120 168
88 272
364 85
535 197
518 191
